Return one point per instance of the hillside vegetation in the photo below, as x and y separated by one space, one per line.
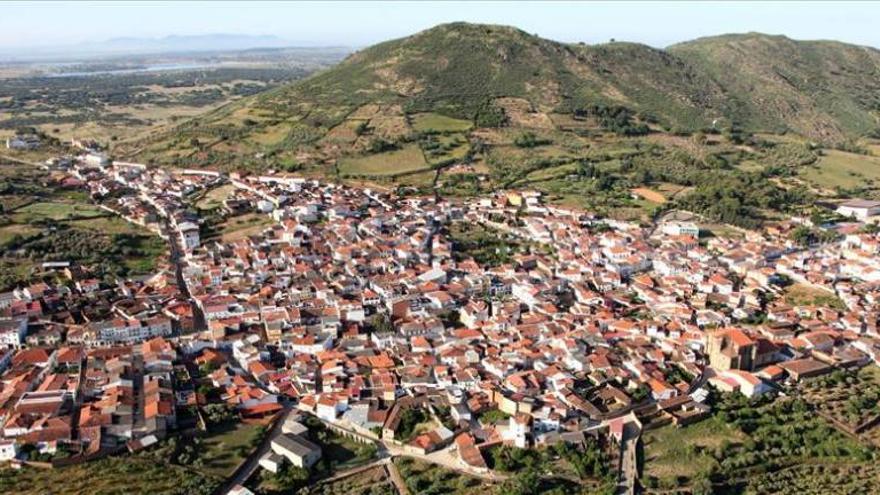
825 90
494 76
733 124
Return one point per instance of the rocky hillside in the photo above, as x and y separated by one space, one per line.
821 89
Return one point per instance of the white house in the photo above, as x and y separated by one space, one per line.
740 381
12 331
518 429
8 450
189 235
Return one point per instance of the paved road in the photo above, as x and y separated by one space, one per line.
246 470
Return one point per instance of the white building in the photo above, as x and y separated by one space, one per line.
27 142
12 331
120 331
680 228
859 208
189 235
8 450
299 451
96 160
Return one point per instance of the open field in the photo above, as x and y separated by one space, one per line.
57 211
341 453
130 475
650 195
224 450
804 295
239 227
12 231
849 398
672 452
818 479
446 147
721 230
215 197
108 225
842 169
744 438
103 101
53 224
407 159
433 122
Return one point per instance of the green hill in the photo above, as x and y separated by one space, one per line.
468 78
825 90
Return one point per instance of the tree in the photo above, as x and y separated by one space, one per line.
802 235
362 128
489 115
526 482
379 145
529 140
702 485
382 324
216 414
290 478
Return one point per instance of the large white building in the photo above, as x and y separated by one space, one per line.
859 208
299 451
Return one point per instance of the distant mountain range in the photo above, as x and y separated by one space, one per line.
203 42
163 45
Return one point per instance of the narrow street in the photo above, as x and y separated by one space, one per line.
177 258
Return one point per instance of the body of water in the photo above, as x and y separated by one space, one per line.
134 70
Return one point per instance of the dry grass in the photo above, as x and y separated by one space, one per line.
671 452
521 114
805 295
239 227
215 197
842 169
650 195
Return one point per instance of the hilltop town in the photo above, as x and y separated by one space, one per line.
424 328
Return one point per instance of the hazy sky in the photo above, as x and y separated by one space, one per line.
657 23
